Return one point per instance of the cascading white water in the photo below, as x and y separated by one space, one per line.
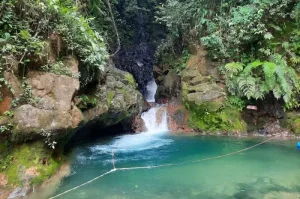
151 89
156 120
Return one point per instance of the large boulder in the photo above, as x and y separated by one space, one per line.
201 90
205 100
116 103
32 122
53 92
117 99
50 117
169 87
51 108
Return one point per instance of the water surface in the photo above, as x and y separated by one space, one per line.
271 170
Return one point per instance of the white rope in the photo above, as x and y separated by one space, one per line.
113 170
162 165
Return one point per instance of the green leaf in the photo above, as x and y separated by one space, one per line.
268 36
256 63
276 27
269 68
6 35
233 68
25 34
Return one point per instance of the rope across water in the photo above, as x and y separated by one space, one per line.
161 165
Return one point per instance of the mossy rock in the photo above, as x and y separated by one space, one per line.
130 79
205 117
292 121
30 161
110 96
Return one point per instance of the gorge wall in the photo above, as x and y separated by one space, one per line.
140 36
198 101
57 109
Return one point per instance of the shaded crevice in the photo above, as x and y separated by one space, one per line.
93 132
140 36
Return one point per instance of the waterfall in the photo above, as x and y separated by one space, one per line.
156 118
151 91
156 122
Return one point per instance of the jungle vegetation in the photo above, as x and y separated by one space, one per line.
255 42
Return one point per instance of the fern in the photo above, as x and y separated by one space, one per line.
233 68
247 85
269 69
253 65
259 92
232 86
277 92
274 75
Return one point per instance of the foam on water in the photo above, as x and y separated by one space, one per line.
156 123
132 143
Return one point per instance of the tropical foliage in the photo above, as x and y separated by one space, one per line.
27 24
256 42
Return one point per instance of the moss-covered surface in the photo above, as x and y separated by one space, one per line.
30 155
110 96
130 79
292 121
87 101
205 117
2 146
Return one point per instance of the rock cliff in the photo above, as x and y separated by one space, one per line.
45 110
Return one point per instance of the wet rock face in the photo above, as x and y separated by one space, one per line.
138 125
204 97
169 86
138 61
118 102
200 89
178 118
140 36
265 119
117 98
